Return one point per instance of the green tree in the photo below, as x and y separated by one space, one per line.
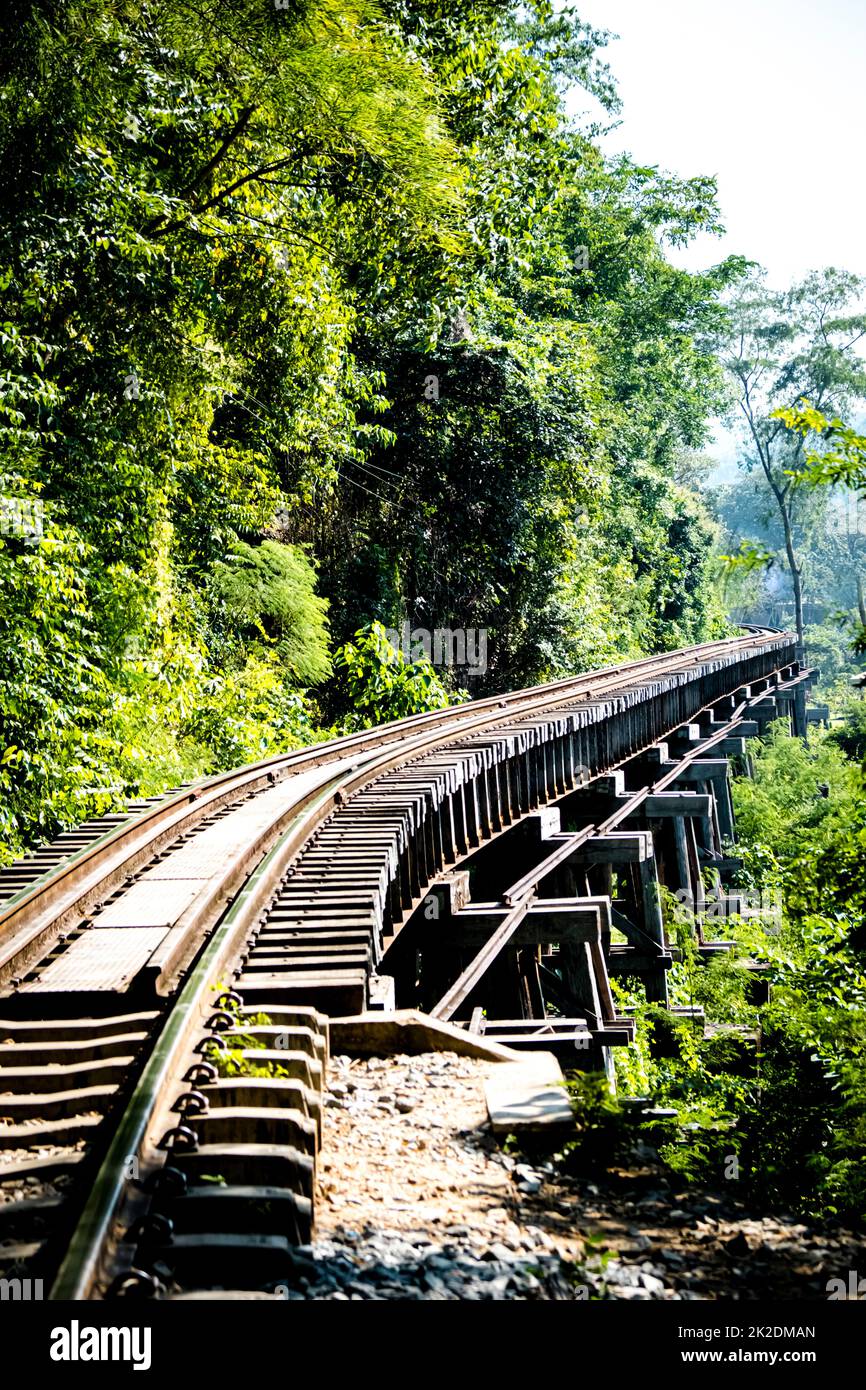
837 457
382 684
534 421
781 348
270 589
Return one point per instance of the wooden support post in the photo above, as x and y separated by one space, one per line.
532 998
579 982
682 882
801 723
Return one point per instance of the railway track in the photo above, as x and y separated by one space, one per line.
166 978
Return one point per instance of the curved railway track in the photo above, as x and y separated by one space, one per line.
166 977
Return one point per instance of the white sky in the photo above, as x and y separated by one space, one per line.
769 95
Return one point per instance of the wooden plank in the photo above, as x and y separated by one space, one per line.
664 804
555 919
623 847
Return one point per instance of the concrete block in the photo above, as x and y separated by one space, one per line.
528 1095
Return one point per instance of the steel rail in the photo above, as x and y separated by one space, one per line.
35 914
81 1265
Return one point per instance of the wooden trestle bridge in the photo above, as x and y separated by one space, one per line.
495 865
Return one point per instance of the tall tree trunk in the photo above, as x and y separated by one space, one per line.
782 495
796 582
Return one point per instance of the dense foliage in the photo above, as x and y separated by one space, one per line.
317 314
774 1097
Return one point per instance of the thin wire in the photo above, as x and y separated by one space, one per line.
386 502
359 464
400 507
389 472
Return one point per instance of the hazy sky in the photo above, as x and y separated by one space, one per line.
769 95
